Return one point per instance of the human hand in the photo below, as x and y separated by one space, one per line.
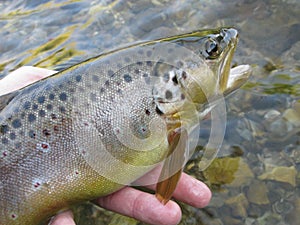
134 203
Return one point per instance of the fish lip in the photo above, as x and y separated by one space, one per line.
230 37
237 78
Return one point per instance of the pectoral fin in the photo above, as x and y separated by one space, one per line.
173 165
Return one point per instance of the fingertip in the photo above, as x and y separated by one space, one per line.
192 192
65 218
154 212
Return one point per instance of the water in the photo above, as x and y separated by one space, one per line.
256 178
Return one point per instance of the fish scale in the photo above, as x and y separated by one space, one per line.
99 125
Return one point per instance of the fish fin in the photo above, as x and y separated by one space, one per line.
173 165
6 99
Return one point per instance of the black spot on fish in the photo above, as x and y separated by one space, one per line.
149 63
63 96
41 99
12 136
16 123
127 78
26 105
35 107
147 111
110 73
175 81
139 63
78 78
136 71
168 95
31 117
102 90
49 107
42 113
182 96
31 134
51 96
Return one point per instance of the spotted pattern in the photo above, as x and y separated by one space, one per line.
108 86
78 78
168 95
63 96
41 99
31 117
127 78
16 123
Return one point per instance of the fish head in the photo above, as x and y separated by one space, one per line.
212 74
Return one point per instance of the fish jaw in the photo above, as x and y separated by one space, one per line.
238 77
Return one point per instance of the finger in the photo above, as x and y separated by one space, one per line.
192 191
64 218
141 206
189 190
22 77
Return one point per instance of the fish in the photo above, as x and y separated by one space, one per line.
91 129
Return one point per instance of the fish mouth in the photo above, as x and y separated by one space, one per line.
230 39
237 77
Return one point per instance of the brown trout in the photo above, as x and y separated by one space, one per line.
89 130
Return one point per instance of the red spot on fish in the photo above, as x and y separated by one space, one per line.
4 154
44 146
55 128
76 172
37 184
13 216
46 132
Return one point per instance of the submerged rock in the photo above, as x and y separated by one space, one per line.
281 174
234 172
238 205
258 193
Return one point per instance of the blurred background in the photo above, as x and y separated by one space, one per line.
255 179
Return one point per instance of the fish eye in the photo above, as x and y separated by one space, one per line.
212 49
